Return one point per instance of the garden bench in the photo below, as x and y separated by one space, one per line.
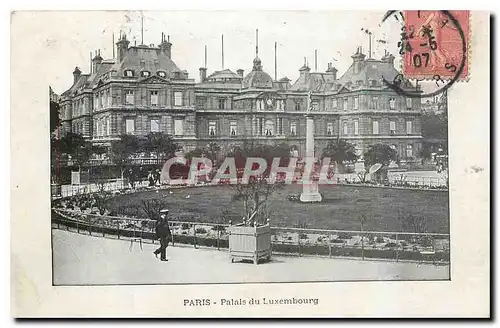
429 254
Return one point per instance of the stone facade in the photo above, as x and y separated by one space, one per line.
143 91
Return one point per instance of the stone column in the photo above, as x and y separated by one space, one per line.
310 191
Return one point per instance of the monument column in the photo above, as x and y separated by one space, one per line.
310 191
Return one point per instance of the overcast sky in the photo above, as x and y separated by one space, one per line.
336 35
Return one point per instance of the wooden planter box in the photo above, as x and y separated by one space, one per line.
250 243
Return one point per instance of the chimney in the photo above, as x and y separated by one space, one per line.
358 59
76 74
332 70
388 58
305 70
122 47
166 46
96 61
240 72
203 74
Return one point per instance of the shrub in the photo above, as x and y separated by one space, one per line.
289 238
184 233
379 239
201 230
344 235
185 226
218 228
303 236
391 244
337 241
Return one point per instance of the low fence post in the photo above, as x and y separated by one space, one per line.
173 239
89 225
397 249
298 242
78 226
218 238
330 245
118 229
195 237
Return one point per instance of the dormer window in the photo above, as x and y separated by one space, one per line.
161 74
145 74
129 73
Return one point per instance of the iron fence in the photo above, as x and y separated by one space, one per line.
385 245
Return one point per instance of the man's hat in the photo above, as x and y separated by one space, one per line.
164 211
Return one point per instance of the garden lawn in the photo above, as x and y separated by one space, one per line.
341 208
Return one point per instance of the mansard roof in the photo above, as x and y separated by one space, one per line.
143 58
317 82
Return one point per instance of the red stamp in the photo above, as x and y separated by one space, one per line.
434 44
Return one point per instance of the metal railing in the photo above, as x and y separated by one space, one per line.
408 182
389 246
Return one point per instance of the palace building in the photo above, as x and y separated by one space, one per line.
142 90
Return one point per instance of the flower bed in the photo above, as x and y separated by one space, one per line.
380 245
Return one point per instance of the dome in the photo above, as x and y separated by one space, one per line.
257 78
223 75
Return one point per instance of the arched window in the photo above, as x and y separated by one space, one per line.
128 73
269 128
409 150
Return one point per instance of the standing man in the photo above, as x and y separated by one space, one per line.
163 233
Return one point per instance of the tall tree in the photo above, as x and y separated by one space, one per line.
268 152
121 150
340 151
213 150
76 146
197 152
162 145
379 153
55 119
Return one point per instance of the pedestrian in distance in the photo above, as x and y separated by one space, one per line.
151 179
163 233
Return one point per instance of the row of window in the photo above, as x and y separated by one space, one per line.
131 73
155 126
409 149
212 128
375 128
153 98
264 127
373 103
103 127
104 98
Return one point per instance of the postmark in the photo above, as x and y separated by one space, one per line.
434 47
436 44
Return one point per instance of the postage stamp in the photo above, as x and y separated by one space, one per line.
263 183
435 44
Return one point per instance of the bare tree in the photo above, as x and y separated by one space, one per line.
152 207
254 195
415 223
